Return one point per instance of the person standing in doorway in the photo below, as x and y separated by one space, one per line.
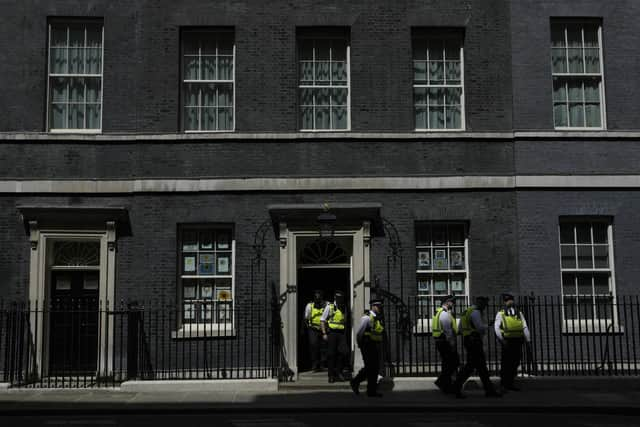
444 328
473 331
312 314
512 331
333 323
369 337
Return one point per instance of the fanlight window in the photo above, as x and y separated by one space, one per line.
324 251
76 254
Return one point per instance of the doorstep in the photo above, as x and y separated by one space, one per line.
249 385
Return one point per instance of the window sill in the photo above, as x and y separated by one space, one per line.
76 131
215 330
591 327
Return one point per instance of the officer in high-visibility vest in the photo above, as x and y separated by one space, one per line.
444 328
333 323
473 330
312 314
511 330
369 337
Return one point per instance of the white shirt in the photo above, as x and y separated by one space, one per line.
365 321
447 326
498 322
478 324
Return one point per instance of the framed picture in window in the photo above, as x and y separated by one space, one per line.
440 286
223 264
457 259
440 259
423 286
424 260
206 290
189 264
206 265
457 285
223 240
223 294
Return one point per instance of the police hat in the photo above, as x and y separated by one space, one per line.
375 302
507 296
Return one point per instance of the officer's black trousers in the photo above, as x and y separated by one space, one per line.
475 362
511 356
315 342
450 362
336 353
371 358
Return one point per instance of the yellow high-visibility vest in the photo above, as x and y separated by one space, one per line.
336 318
511 326
375 329
436 326
316 314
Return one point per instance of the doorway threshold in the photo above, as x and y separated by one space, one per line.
314 381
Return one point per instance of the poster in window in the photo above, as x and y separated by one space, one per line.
457 285
223 294
457 259
440 286
223 264
440 259
206 291
423 286
424 260
206 240
206 264
224 240
91 281
189 241
189 264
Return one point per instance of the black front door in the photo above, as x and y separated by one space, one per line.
73 327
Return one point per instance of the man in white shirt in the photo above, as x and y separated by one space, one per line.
369 336
444 328
512 331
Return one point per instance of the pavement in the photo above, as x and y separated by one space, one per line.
584 395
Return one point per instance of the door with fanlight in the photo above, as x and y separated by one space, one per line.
73 308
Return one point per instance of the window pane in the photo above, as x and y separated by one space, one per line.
575 91
453 117
557 36
574 35
566 233
585 286
339 118
421 117
568 284
209 97
339 72
453 72
419 47
321 96
58 35
94 36
570 308
93 116
208 68
452 96
93 61
586 308
559 60
76 90
436 118
576 115
76 60
599 232
339 50
322 72
568 256
306 96
58 60
601 284
456 234
191 67
76 116
452 49
225 95
591 35
592 60
192 91
322 118
436 48
601 256
225 44
423 236
59 116
339 97
323 49
584 256
560 118
436 96
306 72
420 96
436 72
420 71
59 89
305 52
306 118
592 90
225 68
604 309
592 112
191 118
93 89
576 64
583 232
559 90
225 118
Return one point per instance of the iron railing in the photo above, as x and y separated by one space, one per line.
81 344
597 338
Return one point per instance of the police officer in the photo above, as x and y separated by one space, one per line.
312 314
444 328
369 337
473 330
333 323
511 330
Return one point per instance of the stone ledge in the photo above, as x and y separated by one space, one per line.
255 385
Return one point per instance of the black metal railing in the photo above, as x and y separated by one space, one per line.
92 344
596 338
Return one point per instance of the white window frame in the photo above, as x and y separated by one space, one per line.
185 81
423 325
314 38
579 76
212 328
51 75
595 325
457 37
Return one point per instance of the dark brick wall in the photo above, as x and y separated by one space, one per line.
226 158
532 83
146 260
538 247
141 73
576 156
